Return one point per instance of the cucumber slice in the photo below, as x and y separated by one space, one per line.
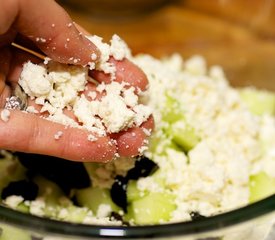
49 190
172 111
159 142
183 135
52 195
259 102
73 214
92 197
261 186
22 207
154 208
133 193
11 170
8 233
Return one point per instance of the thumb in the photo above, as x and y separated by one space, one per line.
49 26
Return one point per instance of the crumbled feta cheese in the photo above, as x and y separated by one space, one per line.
34 80
47 60
118 48
57 87
37 207
204 179
5 115
13 201
104 210
31 109
58 135
92 138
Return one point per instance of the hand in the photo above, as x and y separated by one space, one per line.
45 26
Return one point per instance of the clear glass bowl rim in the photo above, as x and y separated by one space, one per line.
217 222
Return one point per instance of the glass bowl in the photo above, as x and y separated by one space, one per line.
239 35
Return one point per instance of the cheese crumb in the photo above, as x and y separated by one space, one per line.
31 109
58 135
46 60
5 115
92 138
13 201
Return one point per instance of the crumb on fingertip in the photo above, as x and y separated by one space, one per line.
5 115
58 135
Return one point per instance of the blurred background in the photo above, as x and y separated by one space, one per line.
239 35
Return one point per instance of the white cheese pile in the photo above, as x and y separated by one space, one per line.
213 176
58 87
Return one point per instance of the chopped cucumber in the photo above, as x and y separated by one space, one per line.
8 233
133 193
183 135
92 197
259 102
261 186
22 207
153 208
172 111
51 194
11 170
91 168
48 190
74 214
158 144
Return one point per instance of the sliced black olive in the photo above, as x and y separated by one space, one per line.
196 216
27 189
66 174
118 192
118 217
143 168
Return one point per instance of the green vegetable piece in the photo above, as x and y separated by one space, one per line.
11 170
52 195
92 197
261 186
154 208
76 214
9 233
184 135
172 111
133 193
49 190
259 102
22 207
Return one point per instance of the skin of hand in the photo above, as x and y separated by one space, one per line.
45 26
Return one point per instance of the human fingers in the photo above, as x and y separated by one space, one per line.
30 133
5 59
127 72
18 58
54 33
131 142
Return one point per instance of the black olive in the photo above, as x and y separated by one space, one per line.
27 189
118 217
66 174
118 192
143 168
196 216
